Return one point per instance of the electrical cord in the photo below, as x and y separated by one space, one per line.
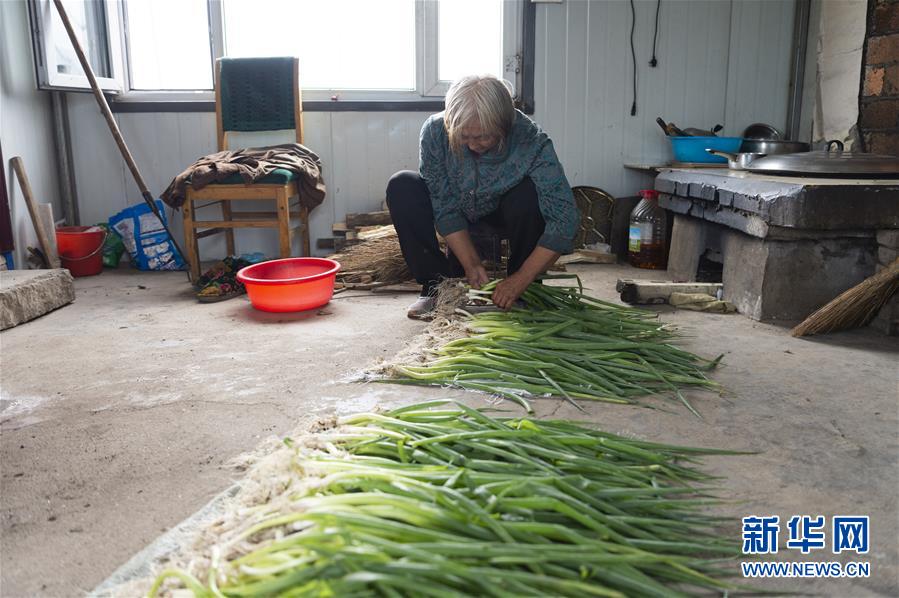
634 57
653 62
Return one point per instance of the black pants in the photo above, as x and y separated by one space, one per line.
518 217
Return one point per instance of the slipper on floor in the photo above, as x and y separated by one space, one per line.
220 291
220 282
223 270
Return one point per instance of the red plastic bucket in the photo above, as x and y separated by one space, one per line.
81 249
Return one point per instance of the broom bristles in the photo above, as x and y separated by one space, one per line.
853 308
378 259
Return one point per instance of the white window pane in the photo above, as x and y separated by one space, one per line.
168 44
341 44
89 23
470 38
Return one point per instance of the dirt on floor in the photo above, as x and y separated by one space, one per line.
121 413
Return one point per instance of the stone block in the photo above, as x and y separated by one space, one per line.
785 204
886 256
776 280
709 193
890 309
744 271
665 185
888 238
29 294
725 198
887 319
885 326
688 238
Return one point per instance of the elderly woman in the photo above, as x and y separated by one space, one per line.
481 160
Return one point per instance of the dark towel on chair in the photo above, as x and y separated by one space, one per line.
253 164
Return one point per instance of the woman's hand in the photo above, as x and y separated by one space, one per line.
463 248
477 276
510 289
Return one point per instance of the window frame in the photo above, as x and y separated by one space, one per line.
42 38
429 81
426 96
177 95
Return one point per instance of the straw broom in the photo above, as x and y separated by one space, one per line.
375 260
855 307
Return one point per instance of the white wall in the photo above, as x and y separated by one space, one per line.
26 125
719 62
836 61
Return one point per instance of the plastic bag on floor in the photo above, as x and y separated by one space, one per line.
113 248
701 302
145 238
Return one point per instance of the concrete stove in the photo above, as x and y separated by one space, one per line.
788 244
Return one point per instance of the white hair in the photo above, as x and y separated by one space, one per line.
479 99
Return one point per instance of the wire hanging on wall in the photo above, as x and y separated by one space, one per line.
653 62
634 57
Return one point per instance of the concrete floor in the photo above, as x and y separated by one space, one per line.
120 413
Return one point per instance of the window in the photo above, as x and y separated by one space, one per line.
397 50
466 38
168 45
342 44
55 60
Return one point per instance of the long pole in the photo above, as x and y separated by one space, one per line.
113 126
42 236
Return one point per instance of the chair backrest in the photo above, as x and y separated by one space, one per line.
258 94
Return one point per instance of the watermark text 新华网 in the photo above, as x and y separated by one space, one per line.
807 534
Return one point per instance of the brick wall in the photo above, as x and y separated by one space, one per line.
878 118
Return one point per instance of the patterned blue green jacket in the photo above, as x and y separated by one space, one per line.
467 187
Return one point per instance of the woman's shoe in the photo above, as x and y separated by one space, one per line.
423 308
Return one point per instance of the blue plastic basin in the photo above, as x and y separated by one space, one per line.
692 149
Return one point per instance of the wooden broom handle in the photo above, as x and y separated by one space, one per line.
19 168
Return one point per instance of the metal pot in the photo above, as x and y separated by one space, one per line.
740 161
762 131
831 161
772 147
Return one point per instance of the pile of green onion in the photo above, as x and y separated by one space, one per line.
436 499
564 344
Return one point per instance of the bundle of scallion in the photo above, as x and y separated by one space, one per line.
443 500
564 344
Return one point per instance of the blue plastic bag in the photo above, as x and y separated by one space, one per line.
145 238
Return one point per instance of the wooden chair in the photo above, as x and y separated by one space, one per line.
251 94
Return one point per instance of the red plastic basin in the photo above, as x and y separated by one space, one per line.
290 284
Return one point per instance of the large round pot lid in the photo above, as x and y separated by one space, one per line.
832 161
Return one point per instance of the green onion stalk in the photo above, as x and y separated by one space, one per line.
563 344
439 499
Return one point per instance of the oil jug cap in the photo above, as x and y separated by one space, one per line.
649 194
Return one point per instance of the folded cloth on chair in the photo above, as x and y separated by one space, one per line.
253 164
